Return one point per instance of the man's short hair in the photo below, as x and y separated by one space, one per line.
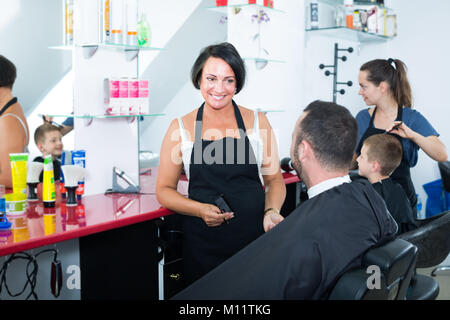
386 150
332 131
41 131
8 73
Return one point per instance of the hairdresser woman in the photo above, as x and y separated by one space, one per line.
384 85
224 148
13 124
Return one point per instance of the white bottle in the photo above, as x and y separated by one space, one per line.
116 12
68 22
314 14
132 21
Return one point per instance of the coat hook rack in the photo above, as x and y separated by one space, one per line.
335 70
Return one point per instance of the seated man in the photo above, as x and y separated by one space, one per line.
380 156
305 254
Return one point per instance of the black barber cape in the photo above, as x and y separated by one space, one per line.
304 255
397 203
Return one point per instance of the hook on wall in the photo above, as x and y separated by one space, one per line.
335 70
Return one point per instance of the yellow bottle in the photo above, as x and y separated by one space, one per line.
48 186
19 172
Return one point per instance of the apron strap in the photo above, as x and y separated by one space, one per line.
8 104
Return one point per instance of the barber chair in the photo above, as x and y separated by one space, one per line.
396 261
432 238
444 169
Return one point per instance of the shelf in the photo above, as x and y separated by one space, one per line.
121 47
262 60
269 110
89 118
104 116
224 9
348 34
355 3
131 52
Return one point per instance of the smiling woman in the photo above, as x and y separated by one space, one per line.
232 147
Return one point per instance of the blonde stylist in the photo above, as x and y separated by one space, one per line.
14 131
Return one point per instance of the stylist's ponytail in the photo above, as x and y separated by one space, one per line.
392 72
400 84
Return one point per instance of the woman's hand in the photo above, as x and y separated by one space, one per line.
271 219
212 216
431 145
401 129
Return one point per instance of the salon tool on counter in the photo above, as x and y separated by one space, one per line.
116 188
33 173
72 174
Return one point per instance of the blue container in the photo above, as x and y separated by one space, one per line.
438 200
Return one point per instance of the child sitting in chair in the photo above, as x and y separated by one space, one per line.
380 156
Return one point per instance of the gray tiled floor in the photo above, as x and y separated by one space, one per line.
443 278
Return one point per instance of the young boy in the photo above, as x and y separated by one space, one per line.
380 156
48 139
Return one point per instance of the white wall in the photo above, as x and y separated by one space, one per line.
423 45
27 29
275 87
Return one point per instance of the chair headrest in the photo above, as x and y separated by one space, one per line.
432 240
393 259
444 169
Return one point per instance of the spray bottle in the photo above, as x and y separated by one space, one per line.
144 32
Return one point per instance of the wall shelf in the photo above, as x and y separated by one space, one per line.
89 50
224 9
89 118
348 34
355 3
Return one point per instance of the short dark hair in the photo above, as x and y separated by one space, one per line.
332 131
386 150
8 73
225 51
39 134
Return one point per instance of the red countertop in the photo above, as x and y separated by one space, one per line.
96 213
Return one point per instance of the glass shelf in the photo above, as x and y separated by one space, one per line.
270 110
104 116
348 34
121 47
88 118
262 60
355 3
89 50
224 9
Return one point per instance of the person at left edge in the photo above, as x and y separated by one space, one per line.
232 147
14 132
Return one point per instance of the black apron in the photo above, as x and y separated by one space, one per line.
6 106
238 181
402 174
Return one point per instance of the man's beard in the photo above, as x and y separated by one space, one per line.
296 164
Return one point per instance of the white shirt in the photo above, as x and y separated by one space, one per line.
327 184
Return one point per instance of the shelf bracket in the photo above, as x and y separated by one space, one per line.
88 120
131 54
89 51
